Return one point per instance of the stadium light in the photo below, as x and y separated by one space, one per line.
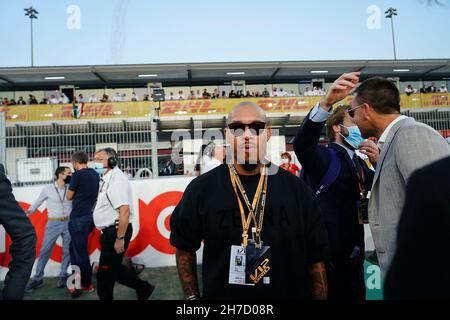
147 75
54 78
390 13
235 73
319 71
32 14
401 70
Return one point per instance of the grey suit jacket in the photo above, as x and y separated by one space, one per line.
410 145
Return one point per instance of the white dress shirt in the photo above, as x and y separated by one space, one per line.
115 191
58 206
385 133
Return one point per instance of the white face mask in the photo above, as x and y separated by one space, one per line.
285 161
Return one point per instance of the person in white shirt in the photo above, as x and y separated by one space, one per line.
198 95
93 98
171 96
443 89
58 212
112 215
81 98
274 92
52 100
308 92
64 99
124 98
134 97
213 156
117 97
180 95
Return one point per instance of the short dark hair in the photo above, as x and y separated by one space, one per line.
336 118
380 93
60 170
80 157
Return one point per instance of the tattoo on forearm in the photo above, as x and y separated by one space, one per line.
318 279
187 271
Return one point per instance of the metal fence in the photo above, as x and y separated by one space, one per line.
31 151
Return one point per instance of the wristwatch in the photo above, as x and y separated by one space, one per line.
120 238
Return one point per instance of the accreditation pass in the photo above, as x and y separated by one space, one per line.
237 266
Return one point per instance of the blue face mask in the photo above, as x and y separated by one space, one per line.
98 167
354 137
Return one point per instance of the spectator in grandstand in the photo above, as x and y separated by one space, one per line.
240 93
117 97
206 94
5 101
248 94
146 97
443 89
30 97
423 238
224 95
113 214
58 214
216 94
307 92
33 100
180 95
134 97
169 168
287 164
257 94
63 99
171 96
265 93
43 101
23 246
12 102
409 90
432 88
274 92
93 98
81 98
198 95
83 190
105 98
124 97
205 215
282 93
405 145
52 100
232 94
21 101
191 95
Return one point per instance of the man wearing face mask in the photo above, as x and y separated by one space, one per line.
341 181
263 233
113 214
58 212
83 190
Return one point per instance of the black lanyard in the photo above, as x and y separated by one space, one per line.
59 196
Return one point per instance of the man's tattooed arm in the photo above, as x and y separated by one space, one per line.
318 281
187 271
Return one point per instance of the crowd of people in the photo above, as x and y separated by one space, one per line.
266 232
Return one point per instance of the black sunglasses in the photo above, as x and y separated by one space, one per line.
238 128
351 112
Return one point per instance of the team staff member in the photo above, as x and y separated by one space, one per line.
112 215
58 212
340 191
281 230
23 246
83 190
288 165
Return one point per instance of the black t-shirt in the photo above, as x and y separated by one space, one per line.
293 228
85 184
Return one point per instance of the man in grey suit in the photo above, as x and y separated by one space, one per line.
406 145
23 246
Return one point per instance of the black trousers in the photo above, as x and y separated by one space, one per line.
346 281
111 268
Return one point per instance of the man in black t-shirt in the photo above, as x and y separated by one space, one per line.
256 213
83 190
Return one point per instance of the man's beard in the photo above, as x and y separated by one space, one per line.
249 166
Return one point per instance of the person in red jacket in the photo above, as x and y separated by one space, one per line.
287 165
